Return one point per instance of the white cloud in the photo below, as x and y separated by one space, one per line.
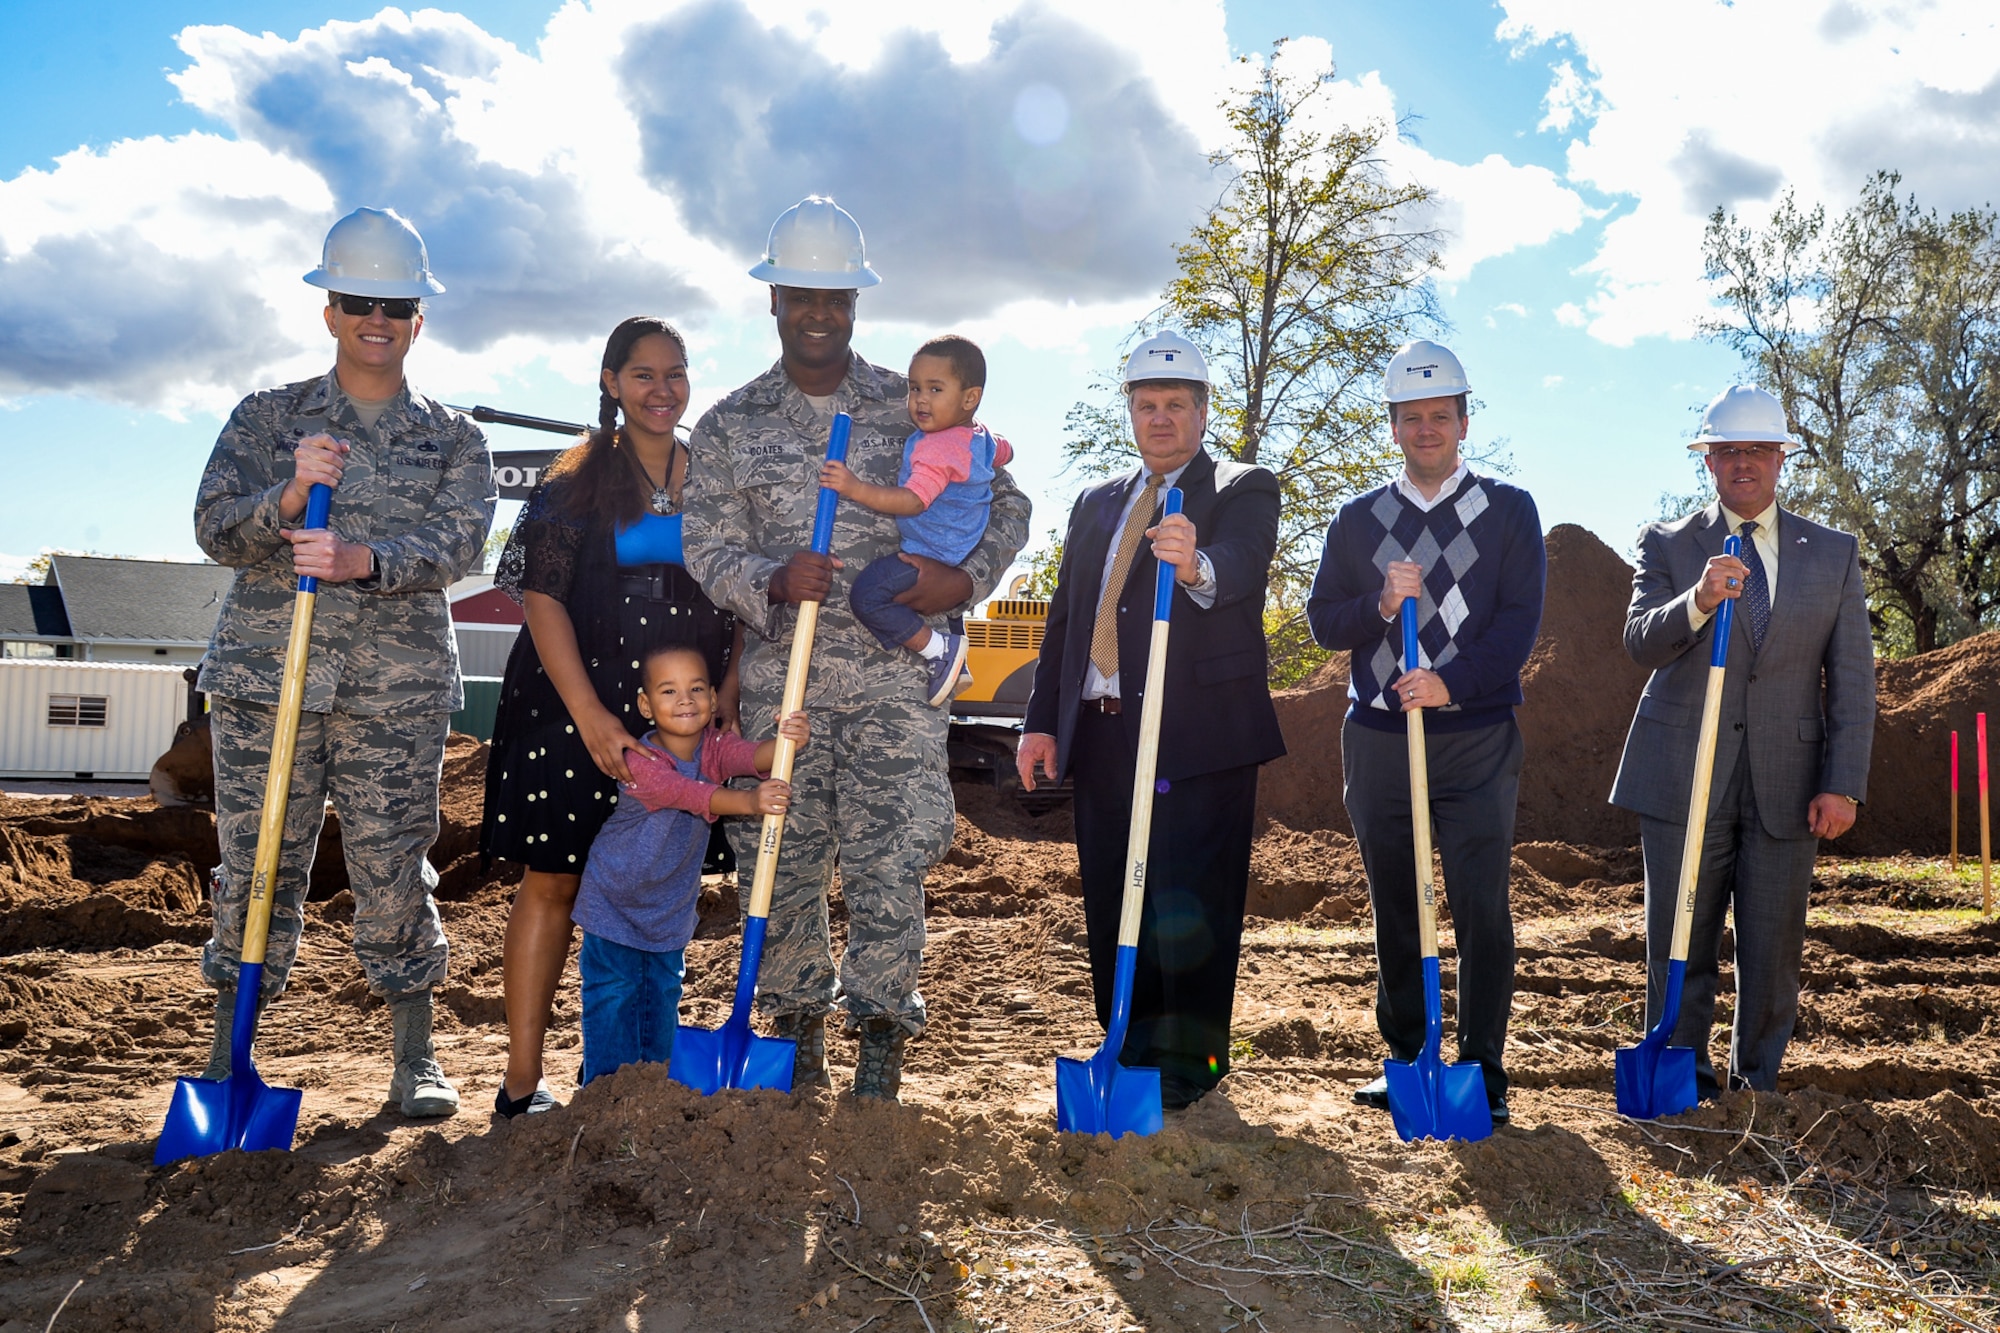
1021 167
1483 209
1050 167
1570 315
1552 381
1691 107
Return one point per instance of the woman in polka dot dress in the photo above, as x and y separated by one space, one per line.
595 561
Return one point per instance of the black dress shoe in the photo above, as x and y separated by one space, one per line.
1374 1094
1177 1093
1498 1106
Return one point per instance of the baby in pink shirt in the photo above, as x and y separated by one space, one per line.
941 503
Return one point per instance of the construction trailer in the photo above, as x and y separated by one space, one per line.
90 720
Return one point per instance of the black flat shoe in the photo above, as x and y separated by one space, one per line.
1501 1115
535 1103
1177 1093
1374 1094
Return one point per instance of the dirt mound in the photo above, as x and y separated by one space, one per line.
1920 701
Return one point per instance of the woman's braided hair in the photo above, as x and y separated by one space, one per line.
603 484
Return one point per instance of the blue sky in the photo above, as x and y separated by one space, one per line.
164 180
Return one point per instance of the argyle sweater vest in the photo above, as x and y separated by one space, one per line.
1484 567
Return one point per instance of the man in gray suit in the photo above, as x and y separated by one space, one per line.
1791 758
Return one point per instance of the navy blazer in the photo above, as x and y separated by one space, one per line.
1217 713
1804 705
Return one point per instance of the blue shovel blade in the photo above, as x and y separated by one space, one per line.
212 1115
1101 1096
1654 1079
731 1056
1429 1099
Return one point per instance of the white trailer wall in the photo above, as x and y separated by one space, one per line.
142 705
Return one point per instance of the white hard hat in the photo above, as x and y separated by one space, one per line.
1165 356
816 243
1746 414
1423 369
375 252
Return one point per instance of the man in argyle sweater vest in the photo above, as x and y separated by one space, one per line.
1469 549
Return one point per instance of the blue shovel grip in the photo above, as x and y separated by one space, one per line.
1163 582
836 452
319 502
1718 654
1409 634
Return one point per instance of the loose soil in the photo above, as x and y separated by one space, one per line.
1862 1195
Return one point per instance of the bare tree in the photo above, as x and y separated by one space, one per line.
1298 284
1880 332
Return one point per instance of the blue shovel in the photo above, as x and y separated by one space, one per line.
1429 1099
1654 1079
212 1115
732 1056
1099 1095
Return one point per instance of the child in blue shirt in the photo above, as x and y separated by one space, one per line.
643 877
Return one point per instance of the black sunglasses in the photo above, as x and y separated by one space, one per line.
395 307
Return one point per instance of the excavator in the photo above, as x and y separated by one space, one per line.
1001 649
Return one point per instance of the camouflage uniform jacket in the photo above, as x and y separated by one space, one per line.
417 489
753 481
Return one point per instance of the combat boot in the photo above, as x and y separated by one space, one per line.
809 1061
418 1083
225 1025
878 1073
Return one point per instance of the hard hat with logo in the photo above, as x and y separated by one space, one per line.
816 243
375 252
1743 414
1423 369
1165 356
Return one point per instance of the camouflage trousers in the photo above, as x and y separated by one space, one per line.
870 793
382 773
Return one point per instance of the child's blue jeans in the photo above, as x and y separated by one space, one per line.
631 1004
873 597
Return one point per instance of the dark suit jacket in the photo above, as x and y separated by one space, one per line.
1217 712
1805 704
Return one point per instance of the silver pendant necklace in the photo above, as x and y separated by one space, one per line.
662 501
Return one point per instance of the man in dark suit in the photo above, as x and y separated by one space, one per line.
1217 723
1791 757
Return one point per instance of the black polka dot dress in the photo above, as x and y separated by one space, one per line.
545 798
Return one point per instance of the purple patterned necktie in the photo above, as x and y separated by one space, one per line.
1756 587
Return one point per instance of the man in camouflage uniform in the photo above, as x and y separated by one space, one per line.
872 790
413 498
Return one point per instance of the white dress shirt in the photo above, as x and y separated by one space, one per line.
1766 538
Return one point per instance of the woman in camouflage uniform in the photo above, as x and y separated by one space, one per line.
595 561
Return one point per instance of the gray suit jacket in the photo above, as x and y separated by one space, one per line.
1805 704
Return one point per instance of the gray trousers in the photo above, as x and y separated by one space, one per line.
870 793
1764 883
382 773
1475 783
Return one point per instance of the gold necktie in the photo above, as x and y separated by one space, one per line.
1104 630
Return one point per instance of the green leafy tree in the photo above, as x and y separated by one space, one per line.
1879 330
1308 272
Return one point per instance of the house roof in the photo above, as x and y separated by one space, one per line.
28 612
145 601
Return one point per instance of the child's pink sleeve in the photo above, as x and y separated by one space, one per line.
939 458
1003 452
658 785
726 755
